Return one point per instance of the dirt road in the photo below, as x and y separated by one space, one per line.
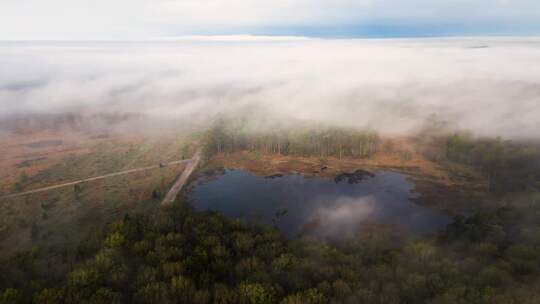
181 181
189 161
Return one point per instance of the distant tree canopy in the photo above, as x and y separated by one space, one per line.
226 136
507 165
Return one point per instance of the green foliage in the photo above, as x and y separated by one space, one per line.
181 256
227 136
106 296
83 277
155 292
115 240
507 166
9 296
182 288
310 296
254 293
49 296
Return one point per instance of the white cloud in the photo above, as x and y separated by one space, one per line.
489 85
235 38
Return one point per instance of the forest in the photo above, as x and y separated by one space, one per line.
508 166
226 136
177 255
180 256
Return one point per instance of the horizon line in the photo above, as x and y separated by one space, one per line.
266 37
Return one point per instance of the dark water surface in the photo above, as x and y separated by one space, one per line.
319 205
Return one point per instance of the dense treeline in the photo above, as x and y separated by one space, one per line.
180 256
227 136
507 166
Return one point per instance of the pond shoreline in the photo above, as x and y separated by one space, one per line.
322 206
452 189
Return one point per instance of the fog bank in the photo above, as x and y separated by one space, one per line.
491 86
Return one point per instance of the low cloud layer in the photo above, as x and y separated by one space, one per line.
491 86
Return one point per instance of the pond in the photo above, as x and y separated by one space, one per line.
322 206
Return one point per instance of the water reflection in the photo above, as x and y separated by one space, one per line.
321 206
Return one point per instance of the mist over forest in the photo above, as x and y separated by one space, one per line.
487 85
270 152
270 169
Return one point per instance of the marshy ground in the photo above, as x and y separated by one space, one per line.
447 186
47 158
31 160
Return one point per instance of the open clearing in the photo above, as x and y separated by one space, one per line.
63 215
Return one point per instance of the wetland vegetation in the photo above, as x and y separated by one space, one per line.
207 254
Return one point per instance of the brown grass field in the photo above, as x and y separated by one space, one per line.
64 215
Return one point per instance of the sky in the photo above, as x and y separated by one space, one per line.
471 62
154 19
